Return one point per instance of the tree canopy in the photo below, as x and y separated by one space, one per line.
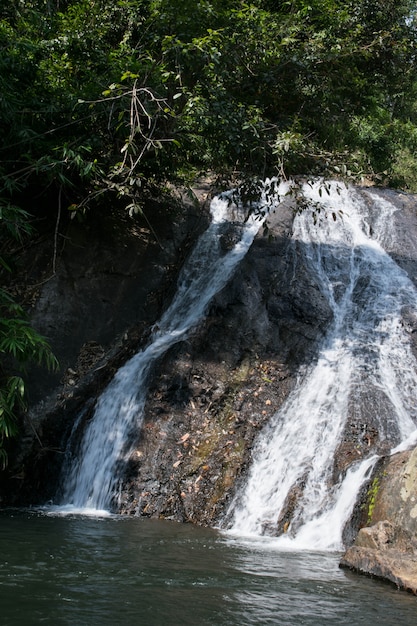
106 101
98 93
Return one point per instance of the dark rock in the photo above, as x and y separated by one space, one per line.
290 504
223 383
210 394
111 280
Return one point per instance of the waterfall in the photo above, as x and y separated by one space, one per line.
365 368
93 477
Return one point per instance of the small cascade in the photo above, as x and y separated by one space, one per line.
93 477
365 368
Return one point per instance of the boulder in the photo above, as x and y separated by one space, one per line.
387 552
395 487
388 548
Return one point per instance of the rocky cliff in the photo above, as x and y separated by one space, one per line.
211 393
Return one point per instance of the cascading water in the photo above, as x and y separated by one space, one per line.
93 477
365 368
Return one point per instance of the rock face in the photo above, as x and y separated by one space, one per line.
211 393
93 291
208 396
111 274
396 491
388 548
387 552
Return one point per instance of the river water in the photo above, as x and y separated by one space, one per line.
93 571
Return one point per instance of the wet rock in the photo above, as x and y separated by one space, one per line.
387 548
223 383
286 515
111 281
199 450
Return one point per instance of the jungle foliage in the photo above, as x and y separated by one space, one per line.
105 101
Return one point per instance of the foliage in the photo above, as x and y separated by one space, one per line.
142 91
20 344
372 497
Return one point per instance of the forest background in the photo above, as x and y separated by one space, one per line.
106 103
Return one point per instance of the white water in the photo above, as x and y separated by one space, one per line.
93 479
365 369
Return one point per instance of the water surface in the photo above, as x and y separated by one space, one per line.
87 571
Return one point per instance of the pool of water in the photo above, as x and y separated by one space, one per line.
113 570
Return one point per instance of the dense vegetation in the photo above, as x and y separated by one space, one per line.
103 102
